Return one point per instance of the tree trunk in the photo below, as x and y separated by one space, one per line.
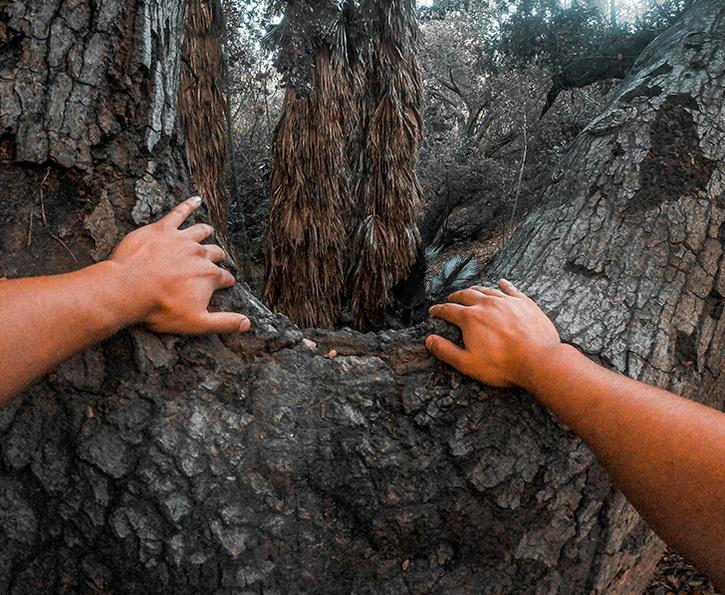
305 245
385 242
256 464
344 154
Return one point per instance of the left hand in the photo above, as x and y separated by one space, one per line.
168 276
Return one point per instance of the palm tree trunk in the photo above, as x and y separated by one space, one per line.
203 110
309 202
386 192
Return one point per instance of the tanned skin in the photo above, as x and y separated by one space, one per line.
667 454
158 275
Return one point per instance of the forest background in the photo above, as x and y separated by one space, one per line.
507 85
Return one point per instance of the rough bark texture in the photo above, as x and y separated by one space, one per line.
255 464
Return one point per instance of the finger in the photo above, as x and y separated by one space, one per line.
453 313
489 291
445 350
198 232
215 253
509 288
224 322
223 278
181 212
467 297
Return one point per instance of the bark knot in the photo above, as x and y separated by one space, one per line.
674 166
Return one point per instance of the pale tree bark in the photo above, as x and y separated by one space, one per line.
256 464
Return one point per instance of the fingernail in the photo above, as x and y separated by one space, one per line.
244 324
428 341
196 200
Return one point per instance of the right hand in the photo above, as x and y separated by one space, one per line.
167 277
505 334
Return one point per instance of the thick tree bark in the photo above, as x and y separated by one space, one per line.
256 464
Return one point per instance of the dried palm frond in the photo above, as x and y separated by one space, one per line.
304 31
385 186
350 123
202 109
309 203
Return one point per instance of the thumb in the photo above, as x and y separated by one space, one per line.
446 351
224 322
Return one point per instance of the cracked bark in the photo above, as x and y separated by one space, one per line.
255 464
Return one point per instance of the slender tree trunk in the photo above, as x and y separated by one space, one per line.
258 463
385 241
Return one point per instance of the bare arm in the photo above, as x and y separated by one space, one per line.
158 275
656 445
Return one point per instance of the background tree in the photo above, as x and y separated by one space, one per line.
307 229
473 147
385 241
247 463
360 138
203 109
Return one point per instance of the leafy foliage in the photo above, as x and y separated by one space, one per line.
458 272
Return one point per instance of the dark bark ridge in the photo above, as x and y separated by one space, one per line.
250 464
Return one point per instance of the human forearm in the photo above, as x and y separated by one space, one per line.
667 454
159 274
46 320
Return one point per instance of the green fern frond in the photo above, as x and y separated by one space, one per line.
432 252
457 272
